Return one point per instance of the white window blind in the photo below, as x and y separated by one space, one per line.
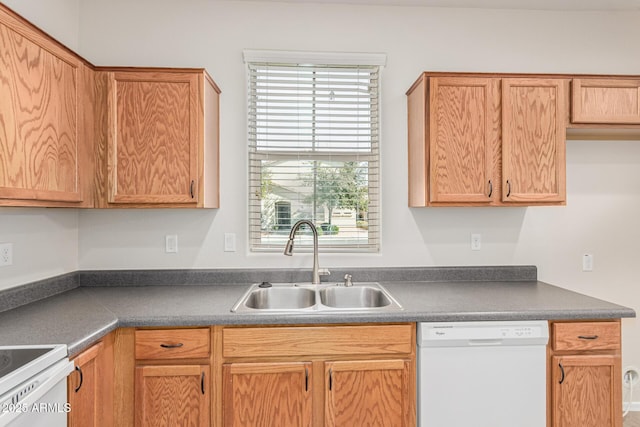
313 154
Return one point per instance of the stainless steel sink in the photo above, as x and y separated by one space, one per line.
354 297
309 298
280 298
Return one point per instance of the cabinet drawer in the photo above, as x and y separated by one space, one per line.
586 336
317 340
606 101
172 343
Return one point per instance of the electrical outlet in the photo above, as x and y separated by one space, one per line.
6 254
630 376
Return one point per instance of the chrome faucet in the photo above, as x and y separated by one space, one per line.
288 249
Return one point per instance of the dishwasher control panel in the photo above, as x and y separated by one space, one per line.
487 333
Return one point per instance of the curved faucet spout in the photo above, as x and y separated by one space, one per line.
288 249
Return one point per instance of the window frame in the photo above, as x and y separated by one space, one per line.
314 59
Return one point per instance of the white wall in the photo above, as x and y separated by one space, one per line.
58 18
603 177
45 241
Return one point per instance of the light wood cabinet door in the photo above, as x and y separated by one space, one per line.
534 121
40 91
586 391
464 126
615 101
84 387
90 387
153 138
172 395
267 394
368 393
479 140
158 138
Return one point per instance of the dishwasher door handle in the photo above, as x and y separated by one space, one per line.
480 342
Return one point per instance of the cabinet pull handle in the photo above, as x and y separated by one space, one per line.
306 379
588 337
81 379
562 372
490 188
177 345
202 382
508 188
330 379
191 188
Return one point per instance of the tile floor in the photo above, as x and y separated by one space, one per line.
632 419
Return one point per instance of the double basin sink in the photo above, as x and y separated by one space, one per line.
308 298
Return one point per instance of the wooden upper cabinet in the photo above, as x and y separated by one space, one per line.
454 141
162 138
606 101
463 136
41 88
534 121
480 140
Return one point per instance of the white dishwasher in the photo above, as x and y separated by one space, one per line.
482 374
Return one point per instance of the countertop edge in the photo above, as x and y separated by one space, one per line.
286 319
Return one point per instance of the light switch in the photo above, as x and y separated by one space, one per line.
229 242
171 243
476 242
587 262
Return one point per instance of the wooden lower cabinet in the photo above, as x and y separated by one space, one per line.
342 375
172 377
163 377
172 395
267 394
320 375
585 391
585 381
368 393
90 387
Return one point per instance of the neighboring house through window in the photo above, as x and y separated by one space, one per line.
314 148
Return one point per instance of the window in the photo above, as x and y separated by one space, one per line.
313 149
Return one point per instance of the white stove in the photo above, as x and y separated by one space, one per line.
33 385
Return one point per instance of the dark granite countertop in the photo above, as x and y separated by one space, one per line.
84 314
